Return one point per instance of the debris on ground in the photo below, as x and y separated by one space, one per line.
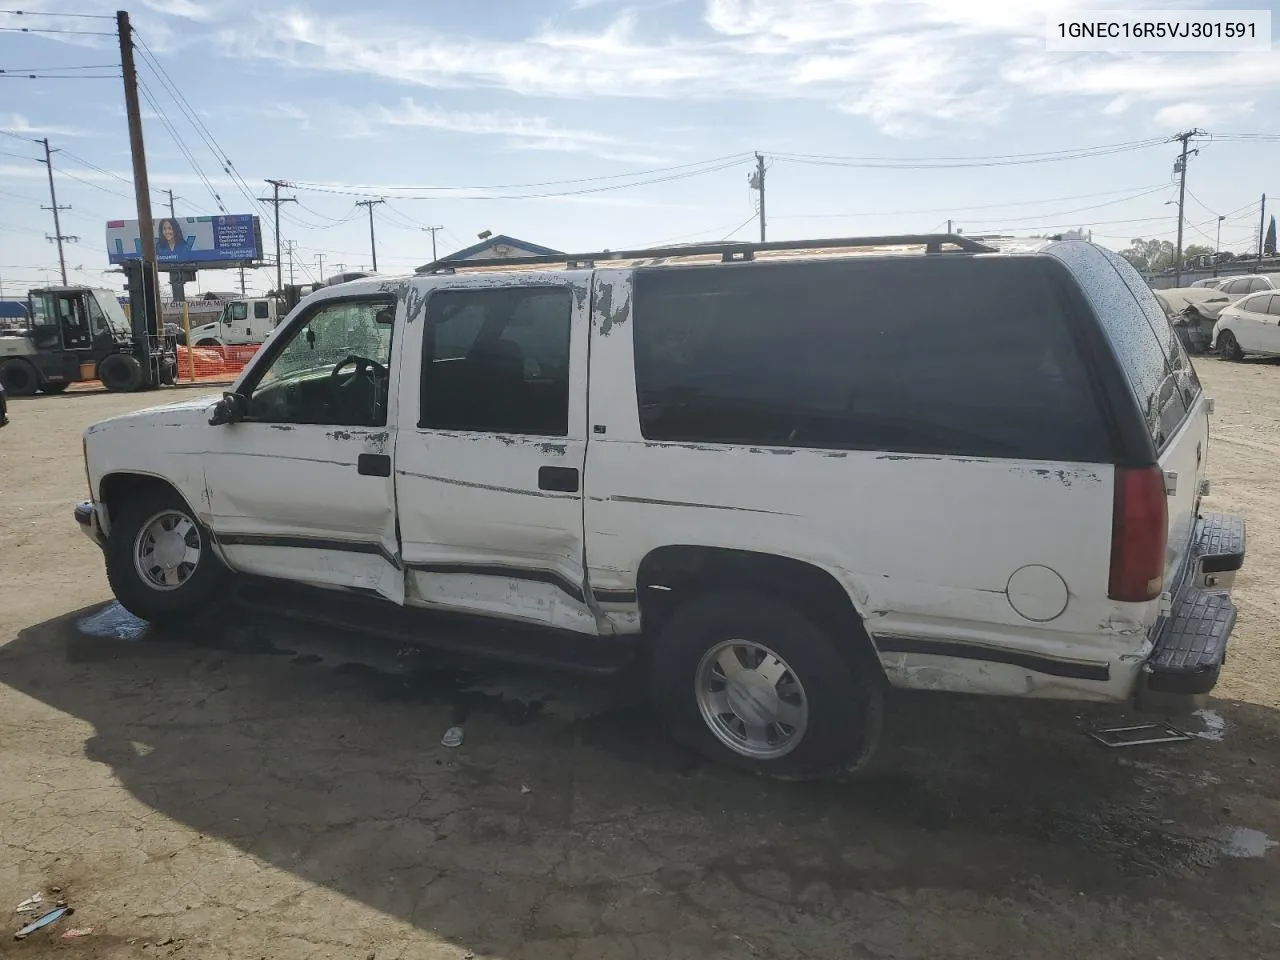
53 916
452 737
525 789
1139 735
30 905
77 932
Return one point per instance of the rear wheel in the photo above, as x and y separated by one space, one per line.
55 387
750 681
120 372
19 377
208 343
1229 346
160 561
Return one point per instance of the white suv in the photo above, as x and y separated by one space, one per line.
787 474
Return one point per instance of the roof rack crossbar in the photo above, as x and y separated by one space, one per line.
729 252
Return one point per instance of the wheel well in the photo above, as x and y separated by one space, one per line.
118 488
670 576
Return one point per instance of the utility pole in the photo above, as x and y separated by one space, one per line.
141 186
275 200
242 281
320 261
1262 231
58 236
373 244
756 182
1181 168
432 231
171 212
1217 246
289 245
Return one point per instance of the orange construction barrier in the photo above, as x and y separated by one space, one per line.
218 364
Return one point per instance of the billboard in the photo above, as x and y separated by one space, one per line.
223 241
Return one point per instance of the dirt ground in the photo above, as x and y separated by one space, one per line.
248 789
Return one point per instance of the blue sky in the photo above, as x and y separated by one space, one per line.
496 96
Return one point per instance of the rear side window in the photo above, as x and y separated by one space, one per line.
1146 346
1274 307
923 355
260 309
1253 304
1258 283
1176 398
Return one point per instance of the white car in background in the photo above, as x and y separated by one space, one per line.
1250 325
1237 287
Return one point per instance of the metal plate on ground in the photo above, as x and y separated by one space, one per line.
1139 735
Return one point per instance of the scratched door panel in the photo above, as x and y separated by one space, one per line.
488 482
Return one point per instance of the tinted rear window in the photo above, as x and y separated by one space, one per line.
1161 377
951 355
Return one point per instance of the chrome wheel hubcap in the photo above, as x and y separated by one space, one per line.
167 550
751 700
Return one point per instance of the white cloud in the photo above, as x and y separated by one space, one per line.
180 8
17 123
906 65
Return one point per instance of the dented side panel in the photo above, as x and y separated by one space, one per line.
480 533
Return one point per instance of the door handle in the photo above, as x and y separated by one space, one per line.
373 465
562 479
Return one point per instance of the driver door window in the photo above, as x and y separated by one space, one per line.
330 369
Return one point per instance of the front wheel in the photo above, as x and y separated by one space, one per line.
120 373
1229 346
752 682
160 561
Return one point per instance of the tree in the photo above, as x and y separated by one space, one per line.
1149 256
1196 250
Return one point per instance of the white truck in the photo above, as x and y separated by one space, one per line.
244 321
785 474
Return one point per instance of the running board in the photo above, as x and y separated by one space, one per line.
481 637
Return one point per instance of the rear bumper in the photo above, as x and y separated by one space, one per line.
1191 640
90 526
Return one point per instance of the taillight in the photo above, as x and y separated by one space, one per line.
1139 535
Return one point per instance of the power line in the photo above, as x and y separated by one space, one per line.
392 188
74 16
541 196
989 206
91 66
997 160
739 227
58 76
180 143
83 33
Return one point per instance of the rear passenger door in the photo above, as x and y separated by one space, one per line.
489 477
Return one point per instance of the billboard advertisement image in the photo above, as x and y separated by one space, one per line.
222 241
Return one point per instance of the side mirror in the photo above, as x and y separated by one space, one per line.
232 408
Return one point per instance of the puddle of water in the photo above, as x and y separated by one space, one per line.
1244 843
113 622
1215 728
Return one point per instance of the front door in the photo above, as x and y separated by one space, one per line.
489 482
302 488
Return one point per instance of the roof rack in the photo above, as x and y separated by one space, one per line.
735 252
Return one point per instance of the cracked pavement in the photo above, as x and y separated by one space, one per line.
247 788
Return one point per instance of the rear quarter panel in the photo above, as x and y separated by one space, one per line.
925 546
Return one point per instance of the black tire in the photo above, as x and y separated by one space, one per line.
203 580
208 343
20 378
1229 346
845 709
168 371
51 387
120 372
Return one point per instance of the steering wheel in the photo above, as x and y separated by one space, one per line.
362 364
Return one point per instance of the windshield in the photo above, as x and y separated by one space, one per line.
117 322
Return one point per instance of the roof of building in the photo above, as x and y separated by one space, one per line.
519 247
